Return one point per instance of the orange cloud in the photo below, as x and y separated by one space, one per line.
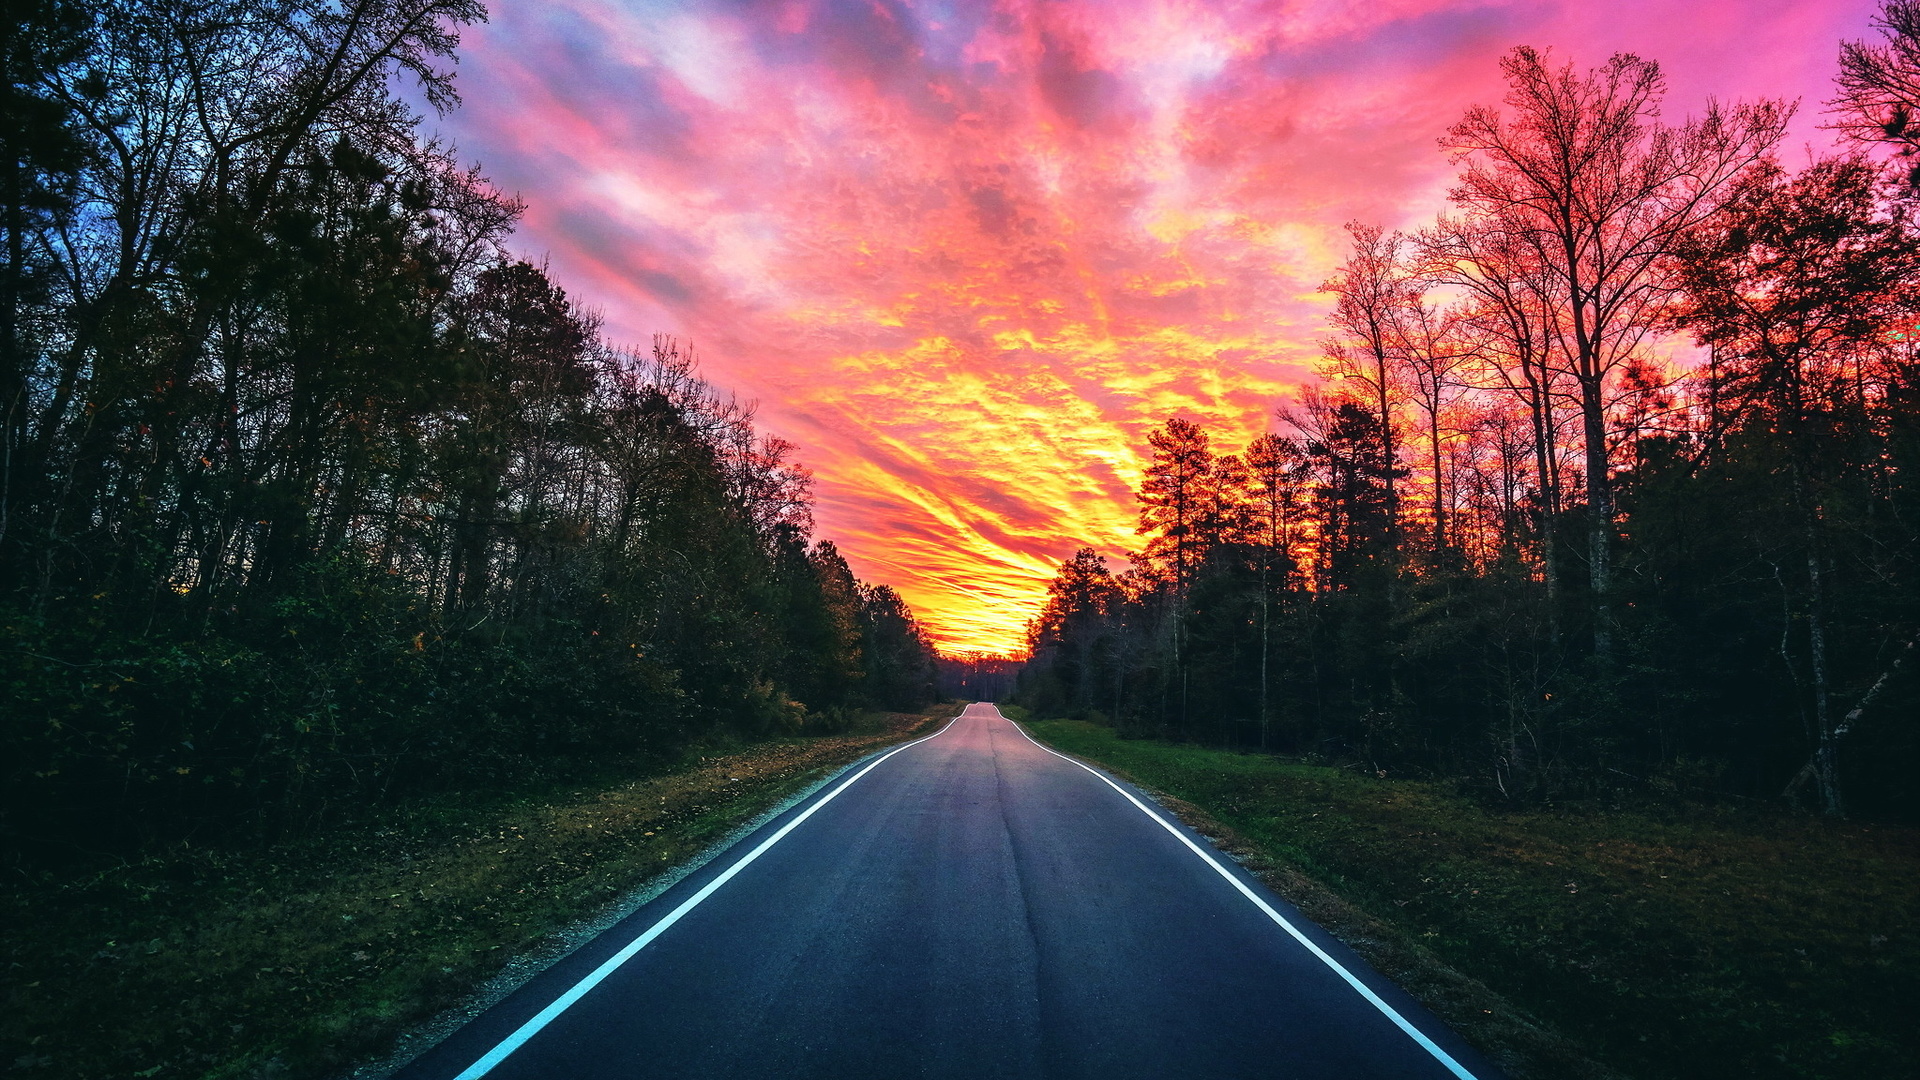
968 254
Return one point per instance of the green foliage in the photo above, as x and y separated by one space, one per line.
313 496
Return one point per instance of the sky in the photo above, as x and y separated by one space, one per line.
967 255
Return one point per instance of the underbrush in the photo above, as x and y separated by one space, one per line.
1671 939
299 959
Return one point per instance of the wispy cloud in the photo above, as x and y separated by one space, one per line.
968 254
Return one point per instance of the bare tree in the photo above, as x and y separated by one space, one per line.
1505 308
1372 287
1431 352
1601 191
1878 97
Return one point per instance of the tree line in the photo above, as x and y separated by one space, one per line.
312 494
1506 536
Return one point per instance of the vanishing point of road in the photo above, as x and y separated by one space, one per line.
969 905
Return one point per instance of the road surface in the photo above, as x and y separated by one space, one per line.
970 905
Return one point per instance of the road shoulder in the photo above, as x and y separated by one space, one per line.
1521 1045
303 960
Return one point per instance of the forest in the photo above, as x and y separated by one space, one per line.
313 495
1608 482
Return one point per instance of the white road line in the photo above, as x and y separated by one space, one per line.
1387 1010
579 990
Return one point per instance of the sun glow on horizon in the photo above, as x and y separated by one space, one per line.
967 255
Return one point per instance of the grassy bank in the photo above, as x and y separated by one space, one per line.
1666 941
300 960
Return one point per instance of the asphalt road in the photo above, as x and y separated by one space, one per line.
971 905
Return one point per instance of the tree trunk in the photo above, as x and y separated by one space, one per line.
1812 768
13 375
1386 438
1600 511
1439 483
1266 604
1541 407
1826 755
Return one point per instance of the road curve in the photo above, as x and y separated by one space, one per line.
970 905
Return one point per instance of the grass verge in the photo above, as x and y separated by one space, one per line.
301 960
1665 941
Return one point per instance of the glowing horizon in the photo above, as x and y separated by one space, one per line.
967 255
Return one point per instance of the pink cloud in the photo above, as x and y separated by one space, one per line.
968 254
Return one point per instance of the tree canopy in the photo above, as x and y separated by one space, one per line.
1654 339
312 493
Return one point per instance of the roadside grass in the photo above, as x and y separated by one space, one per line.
1675 940
302 960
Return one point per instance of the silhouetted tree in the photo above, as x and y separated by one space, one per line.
1878 86
1600 191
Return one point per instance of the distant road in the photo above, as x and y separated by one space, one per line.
971 905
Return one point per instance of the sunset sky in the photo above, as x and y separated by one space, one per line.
967 255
